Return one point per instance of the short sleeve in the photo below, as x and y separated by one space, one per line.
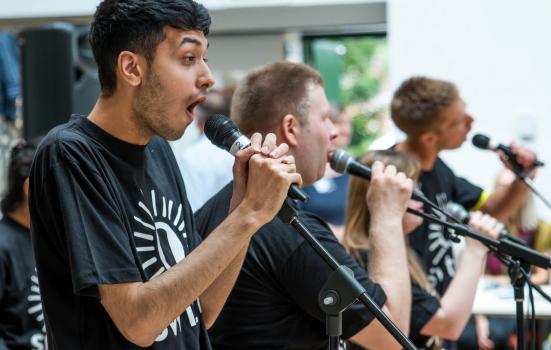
80 209
423 308
305 272
215 210
468 195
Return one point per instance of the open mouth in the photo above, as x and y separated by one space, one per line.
330 154
196 103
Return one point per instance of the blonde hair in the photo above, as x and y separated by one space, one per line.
356 235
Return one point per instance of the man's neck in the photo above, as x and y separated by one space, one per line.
116 118
426 156
21 215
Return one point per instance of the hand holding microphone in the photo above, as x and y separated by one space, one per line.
342 162
520 158
461 214
389 193
222 132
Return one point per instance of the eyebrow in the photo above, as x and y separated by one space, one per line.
191 40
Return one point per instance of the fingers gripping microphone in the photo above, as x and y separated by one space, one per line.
342 162
460 213
223 133
483 142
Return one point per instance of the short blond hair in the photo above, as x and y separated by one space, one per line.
418 103
270 92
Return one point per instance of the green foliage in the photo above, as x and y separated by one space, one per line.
363 73
358 83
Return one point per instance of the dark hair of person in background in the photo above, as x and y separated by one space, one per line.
21 158
137 26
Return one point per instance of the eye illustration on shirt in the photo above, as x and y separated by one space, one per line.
160 237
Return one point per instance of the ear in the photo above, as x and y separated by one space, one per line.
428 138
290 129
131 68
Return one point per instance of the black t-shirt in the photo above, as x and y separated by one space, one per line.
429 240
274 303
21 324
328 198
105 212
423 307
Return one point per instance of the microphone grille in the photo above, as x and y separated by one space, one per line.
457 211
481 141
217 127
339 161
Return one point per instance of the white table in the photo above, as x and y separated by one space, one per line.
498 300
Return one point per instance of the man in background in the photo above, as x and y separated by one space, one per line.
433 116
274 304
21 319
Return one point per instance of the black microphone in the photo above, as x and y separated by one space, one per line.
483 142
222 132
342 162
463 215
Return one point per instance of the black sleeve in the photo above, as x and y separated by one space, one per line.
423 307
81 208
213 212
305 272
465 193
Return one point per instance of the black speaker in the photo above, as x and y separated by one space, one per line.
59 76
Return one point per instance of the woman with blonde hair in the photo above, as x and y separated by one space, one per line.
432 316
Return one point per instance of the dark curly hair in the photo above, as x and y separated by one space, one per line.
19 168
138 26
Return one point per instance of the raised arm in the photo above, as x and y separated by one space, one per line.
503 204
142 310
387 198
456 303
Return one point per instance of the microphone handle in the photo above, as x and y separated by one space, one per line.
503 234
294 192
513 158
358 169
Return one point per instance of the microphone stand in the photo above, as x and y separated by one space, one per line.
517 257
522 176
528 181
341 289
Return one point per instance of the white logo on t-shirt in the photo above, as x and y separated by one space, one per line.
35 310
168 226
442 264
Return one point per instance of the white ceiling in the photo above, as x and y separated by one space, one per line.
222 4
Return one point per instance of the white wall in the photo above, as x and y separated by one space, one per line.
499 55
231 57
46 8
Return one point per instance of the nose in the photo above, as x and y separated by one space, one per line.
333 132
206 80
